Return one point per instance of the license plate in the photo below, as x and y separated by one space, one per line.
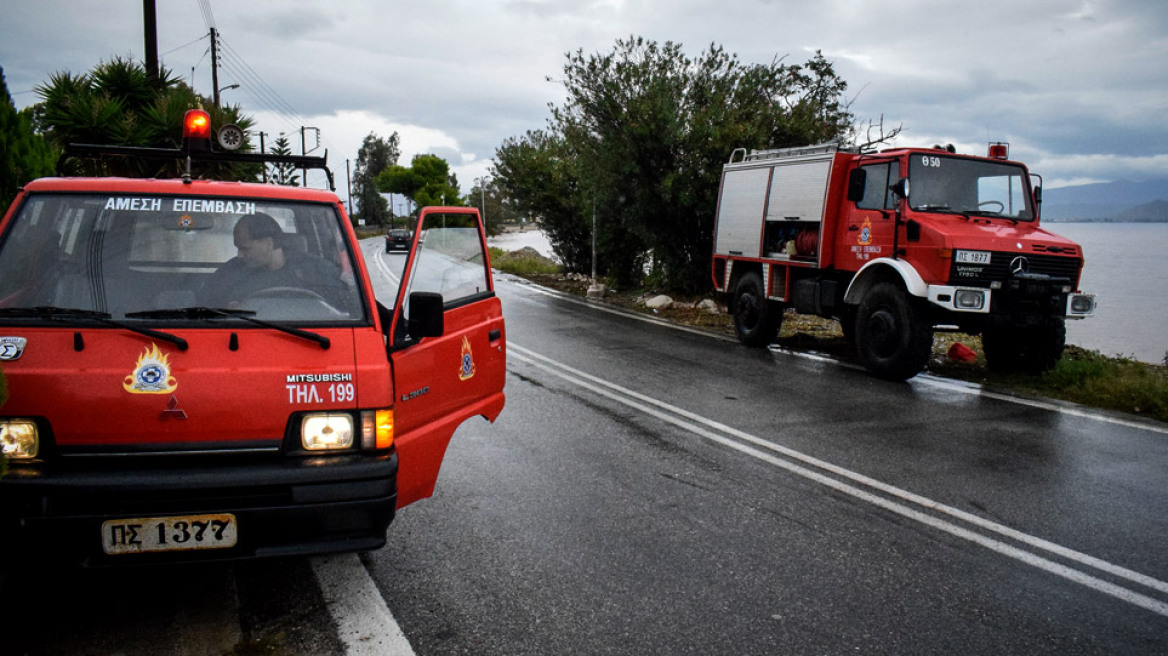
973 257
183 533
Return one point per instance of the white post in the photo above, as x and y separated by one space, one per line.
596 290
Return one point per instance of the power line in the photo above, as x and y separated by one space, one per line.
252 83
184 45
277 102
208 17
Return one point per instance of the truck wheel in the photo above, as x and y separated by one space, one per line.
1031 349
755 320
893 339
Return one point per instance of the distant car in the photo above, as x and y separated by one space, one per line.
398 240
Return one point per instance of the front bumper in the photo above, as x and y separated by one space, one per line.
974 300
283 506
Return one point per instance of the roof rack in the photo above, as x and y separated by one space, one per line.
96 151
777 153
191 152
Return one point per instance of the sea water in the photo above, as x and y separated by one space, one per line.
1126 267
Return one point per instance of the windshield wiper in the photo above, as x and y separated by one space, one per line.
78 314
52 311
932 208
989 214
211 314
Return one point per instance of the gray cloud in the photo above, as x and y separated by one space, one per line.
1076 86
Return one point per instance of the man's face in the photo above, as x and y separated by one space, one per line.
255 253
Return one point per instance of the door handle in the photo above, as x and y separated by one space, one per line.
494 335
853 228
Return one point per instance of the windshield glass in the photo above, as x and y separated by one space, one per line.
285 261
967 186
450 259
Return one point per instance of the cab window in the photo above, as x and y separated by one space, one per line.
878 177
450 260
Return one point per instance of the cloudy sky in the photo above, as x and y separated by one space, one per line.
1079 88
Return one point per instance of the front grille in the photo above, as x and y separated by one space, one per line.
1003 264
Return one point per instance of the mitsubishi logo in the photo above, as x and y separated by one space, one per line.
1019 265
172 410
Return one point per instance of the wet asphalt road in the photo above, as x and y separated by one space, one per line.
591 520
648 490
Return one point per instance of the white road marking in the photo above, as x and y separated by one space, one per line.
1066 409
378 257
364 622
746 443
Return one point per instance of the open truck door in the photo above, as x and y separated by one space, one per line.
447 344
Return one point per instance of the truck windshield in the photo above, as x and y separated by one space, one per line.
121 255
969 186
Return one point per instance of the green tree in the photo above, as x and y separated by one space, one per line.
493 204
283 173
24 154
648 129
118 102
542 179
427 181
374 156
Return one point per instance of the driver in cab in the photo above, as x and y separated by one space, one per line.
267 266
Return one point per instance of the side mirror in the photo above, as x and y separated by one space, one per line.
426 315
1038 195
900 188
857 181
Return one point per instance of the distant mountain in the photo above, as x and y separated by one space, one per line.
1122 200
1156 210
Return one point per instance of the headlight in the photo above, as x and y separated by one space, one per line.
1082 304
970 299
326 432
19 439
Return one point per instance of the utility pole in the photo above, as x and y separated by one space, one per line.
304 148
150 20
349 187
262 151
483 193
215 64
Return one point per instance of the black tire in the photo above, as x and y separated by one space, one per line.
1030 349
893 337
756 321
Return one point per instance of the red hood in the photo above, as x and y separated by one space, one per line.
126 391
1002 235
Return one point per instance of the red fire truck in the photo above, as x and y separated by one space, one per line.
896 244
202 370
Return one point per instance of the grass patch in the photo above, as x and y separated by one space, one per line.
365 232
525 263
1089 378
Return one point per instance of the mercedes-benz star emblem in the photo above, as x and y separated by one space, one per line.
1019 265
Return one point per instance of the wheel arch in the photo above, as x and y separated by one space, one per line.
885 270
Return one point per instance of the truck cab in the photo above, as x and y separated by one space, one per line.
204 370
